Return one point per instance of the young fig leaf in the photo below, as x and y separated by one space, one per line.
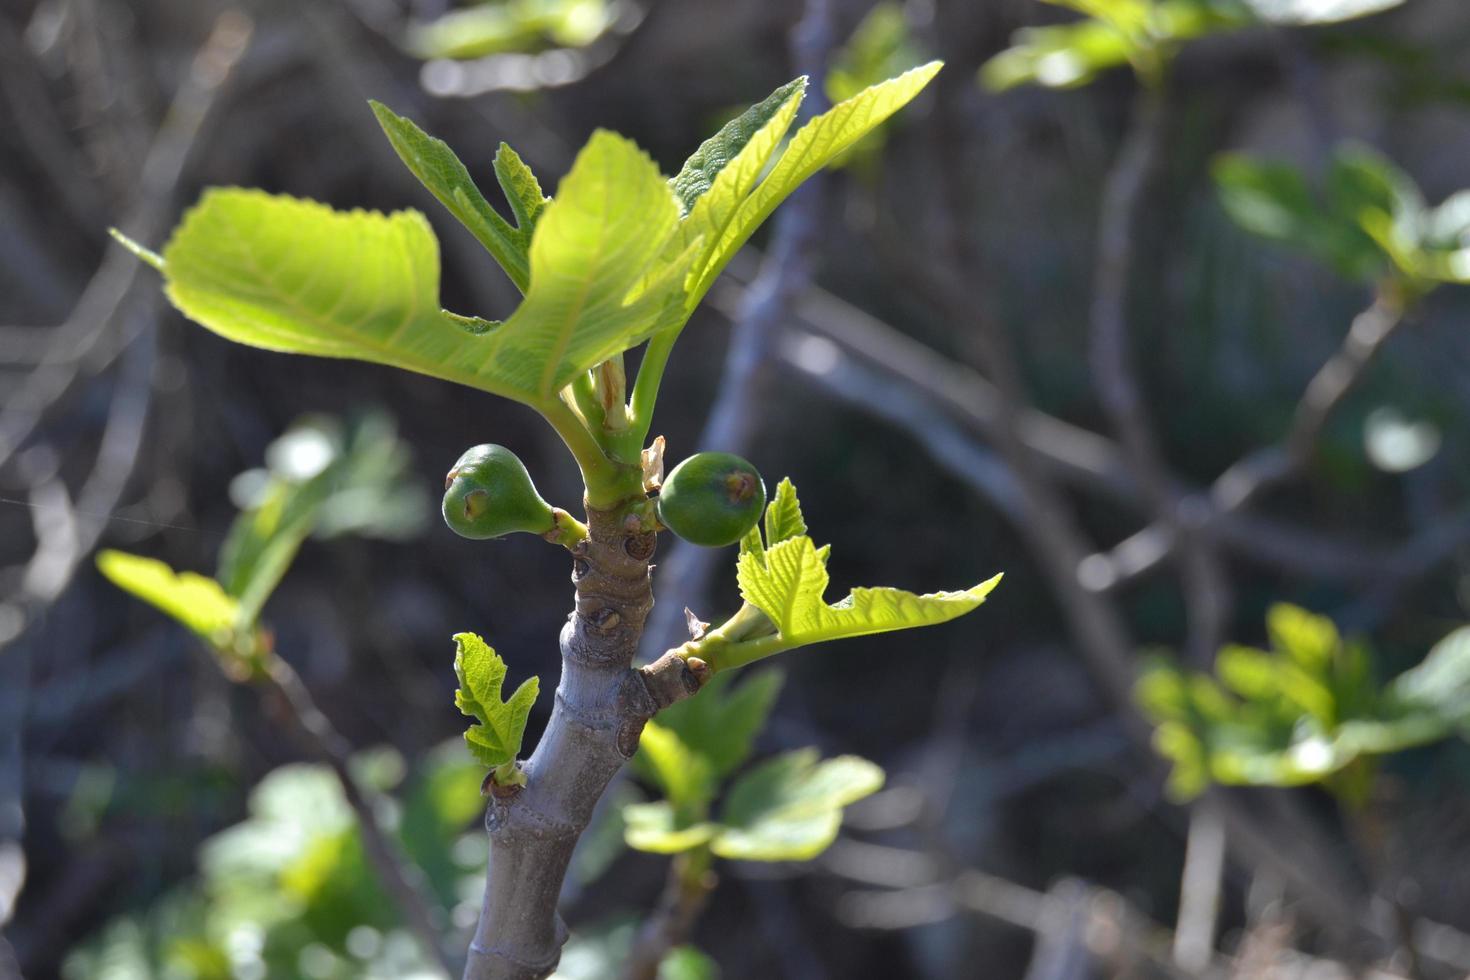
440 170
788 583
496 740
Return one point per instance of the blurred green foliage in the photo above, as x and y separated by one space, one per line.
1368 222
1309 710
288 893
322 478
788 808
500 26
881 46
602 953
1144 34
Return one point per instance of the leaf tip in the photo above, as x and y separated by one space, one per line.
108 559
386 117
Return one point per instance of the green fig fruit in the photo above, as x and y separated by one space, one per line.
488 493
712 499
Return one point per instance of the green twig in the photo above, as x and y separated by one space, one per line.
608 483
645 388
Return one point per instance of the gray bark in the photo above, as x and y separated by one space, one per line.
601 706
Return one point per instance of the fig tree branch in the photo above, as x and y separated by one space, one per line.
602 703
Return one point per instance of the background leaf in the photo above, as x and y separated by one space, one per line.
721 724
657 828
323 479
194 600
790 808
685 775
1317 11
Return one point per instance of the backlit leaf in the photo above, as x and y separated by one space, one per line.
496 740
198 602
440 170
814 145
789 585
296 276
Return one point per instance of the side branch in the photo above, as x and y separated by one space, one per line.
1265 468
393 868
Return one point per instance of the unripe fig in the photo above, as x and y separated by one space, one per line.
712 499
489 493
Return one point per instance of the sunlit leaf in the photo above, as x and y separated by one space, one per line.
813 146
522 26
496 740
1115 33
784 519
739 152
789 587
440 170
295 276
521 189
194 600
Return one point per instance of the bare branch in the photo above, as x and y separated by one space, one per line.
686 892
844 349
397 874
1204 584
1259 471
91 319
1199 889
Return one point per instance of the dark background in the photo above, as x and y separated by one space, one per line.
995 728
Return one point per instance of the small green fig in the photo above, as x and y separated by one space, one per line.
488 493
712 499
